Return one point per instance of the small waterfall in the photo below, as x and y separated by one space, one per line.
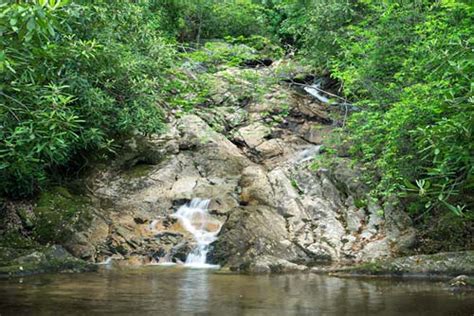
307 154
106 262
315 91
195 218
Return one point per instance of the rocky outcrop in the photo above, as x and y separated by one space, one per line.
301 216
135 220
252 156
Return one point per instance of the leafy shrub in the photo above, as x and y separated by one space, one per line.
413 66
313 26
409 66
211 19
214 54
74 77
263 45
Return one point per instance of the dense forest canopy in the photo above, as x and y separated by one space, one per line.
77 77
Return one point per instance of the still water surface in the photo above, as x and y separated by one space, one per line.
158 290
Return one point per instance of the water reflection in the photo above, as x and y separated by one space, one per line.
178 291
193 292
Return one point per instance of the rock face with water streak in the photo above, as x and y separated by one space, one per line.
278 213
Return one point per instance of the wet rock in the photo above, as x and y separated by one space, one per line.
139 150
313 133
27 217
32 258
208 165
354 219
461 283
441 264
218 156
84 244
256 189
317 226
269 264
44 260
312 111
271 148
180 252
347 179
253 232
229 88
224 118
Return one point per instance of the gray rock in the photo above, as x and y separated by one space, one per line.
32 258
254 134
278 213
461 283
269 264
47 259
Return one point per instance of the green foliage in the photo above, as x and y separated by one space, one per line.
313 26
419 120
210 19
446 232
195 81
76 76
409 66
214 54
263 45
73 77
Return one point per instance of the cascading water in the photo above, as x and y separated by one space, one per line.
195 218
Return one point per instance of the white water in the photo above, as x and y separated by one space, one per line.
106 262
307 154
152 225
195 218
109 260
315 91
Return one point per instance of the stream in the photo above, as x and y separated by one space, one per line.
177 291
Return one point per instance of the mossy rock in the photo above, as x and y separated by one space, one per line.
42 260
441 264
15 240
8 254
138 171
58 214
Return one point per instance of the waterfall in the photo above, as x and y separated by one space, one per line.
306 154
315 91
195 218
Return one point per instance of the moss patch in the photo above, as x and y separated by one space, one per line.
58 214
444 264
39 259
138 171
